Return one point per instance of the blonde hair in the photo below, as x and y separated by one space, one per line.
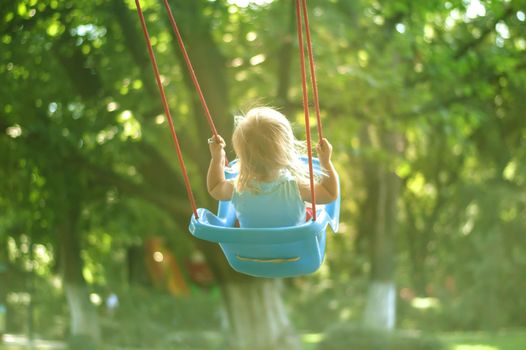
265 145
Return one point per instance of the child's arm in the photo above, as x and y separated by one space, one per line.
326 190
219 188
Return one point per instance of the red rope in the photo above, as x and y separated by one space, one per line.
190 69
312 70
306 107
166 109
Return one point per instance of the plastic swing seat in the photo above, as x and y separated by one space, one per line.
268 252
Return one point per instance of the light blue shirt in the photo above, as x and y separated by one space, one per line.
276 204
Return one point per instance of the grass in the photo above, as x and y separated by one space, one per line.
485 341
458 341
19 342
455 341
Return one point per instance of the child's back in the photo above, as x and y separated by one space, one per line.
276 203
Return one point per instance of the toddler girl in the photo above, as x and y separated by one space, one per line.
273 183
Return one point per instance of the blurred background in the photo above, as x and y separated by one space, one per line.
423 101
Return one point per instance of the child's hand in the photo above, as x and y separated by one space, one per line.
217 147
324 149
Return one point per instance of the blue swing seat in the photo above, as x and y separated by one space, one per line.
268 252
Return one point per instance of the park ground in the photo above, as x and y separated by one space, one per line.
508 340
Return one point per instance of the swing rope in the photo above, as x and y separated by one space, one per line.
299 8
305 93
167 109
312 71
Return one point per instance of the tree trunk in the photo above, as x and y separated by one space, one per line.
84 320
417 247
3 285
382 188
257 316
380 310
